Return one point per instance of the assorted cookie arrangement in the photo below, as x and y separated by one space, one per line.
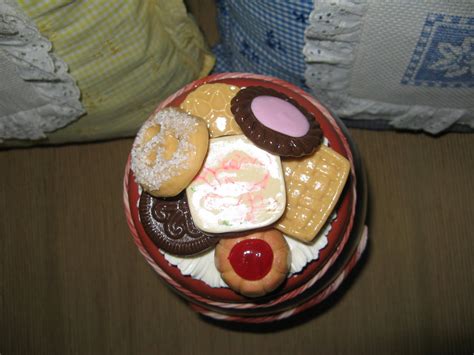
236 170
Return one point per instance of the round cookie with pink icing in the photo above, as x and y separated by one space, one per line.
275 122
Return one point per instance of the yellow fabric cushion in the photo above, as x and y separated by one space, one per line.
126 57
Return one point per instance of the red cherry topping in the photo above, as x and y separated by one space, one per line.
251 259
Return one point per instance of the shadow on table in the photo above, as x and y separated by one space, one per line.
305 316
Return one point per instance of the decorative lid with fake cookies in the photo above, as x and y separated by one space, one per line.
246 196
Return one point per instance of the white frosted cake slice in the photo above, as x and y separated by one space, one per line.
240 187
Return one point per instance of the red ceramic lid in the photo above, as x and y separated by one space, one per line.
341 226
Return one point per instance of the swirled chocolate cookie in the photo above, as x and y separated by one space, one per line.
275 122
169 224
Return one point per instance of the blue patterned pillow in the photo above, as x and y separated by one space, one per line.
376 64
263 37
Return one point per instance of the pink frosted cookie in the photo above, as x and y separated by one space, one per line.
240 187
275 122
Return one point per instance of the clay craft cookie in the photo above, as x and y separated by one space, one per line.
168 152
169 224
254 265
211 102
275 122
239 188
313 186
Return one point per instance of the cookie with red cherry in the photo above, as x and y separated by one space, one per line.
254 265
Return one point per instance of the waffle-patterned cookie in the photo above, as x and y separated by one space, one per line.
211 102
313 186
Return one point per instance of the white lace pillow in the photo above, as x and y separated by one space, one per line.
37 95
407 64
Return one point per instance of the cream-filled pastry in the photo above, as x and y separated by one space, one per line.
240 187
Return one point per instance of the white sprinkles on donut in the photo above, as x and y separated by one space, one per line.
152 174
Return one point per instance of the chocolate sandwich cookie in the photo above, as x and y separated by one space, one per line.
169 224
275 122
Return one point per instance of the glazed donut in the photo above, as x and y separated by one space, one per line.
168 152
253 265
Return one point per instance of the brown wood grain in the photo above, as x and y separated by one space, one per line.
73 282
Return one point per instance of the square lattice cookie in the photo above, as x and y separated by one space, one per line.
313 186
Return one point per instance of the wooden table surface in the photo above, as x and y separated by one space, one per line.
73 282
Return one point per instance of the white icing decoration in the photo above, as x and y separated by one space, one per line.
303 253
200 267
